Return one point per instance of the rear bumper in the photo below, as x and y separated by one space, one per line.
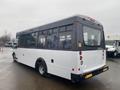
76 77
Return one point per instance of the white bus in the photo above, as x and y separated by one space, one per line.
73 48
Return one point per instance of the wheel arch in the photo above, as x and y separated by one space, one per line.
40 60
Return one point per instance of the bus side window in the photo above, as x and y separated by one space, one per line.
21 41
52 40
33 40
28 40
65 40
41 41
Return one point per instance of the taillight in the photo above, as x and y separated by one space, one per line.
81 58
80 52
103 54
80 55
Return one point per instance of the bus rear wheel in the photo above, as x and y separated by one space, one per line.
42 69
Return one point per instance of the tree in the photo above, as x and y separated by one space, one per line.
4 39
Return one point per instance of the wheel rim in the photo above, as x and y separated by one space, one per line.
41 69
115 54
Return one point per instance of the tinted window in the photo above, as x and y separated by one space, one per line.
110 42
69 27
52 40
65 40
92 37
62 29
41 40
119 43
28 40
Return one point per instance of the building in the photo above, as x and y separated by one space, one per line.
112 37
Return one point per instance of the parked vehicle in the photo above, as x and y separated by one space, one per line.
113 47
11 44
8 44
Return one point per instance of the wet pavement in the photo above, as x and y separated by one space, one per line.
15 76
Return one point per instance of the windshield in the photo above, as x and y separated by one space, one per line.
110 43
92 37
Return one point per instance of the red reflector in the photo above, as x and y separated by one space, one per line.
81 62
81 57
80 52
103 52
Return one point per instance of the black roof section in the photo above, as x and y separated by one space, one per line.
58 23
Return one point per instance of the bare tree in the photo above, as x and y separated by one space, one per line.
4 39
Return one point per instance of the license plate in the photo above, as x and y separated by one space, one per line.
88 76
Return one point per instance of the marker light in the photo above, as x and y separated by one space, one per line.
81 57
80 52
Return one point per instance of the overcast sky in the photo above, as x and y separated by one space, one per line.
18 15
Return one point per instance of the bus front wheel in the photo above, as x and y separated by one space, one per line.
42 69
14 57
115 53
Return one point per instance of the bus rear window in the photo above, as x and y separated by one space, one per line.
92 37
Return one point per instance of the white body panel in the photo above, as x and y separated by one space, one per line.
93 60
64 61
118 49
110 48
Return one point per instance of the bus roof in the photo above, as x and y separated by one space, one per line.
62 22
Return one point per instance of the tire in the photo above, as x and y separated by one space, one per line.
14 57
115 54
42 69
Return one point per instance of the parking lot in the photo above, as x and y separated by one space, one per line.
15 76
